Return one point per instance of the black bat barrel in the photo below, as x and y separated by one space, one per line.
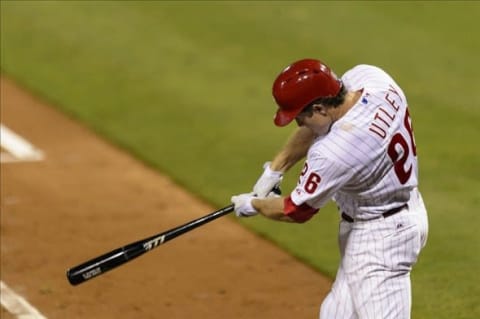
119 256
104 263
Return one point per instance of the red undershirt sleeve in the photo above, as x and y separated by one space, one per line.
299 214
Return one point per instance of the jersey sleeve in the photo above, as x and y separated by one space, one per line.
319 180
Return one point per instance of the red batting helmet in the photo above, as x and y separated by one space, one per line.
300 84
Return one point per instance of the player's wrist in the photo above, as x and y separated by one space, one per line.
267 181
271 171
243 205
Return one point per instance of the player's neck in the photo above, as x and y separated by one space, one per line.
351 99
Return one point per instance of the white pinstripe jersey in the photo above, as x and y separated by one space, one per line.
367 161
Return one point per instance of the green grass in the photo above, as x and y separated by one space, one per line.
185 86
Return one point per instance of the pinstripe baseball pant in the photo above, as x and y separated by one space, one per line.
373 280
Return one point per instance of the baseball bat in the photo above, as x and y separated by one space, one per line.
120 256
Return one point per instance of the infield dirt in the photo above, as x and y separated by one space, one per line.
88 197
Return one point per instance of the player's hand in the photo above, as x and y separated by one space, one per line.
243 205
267 181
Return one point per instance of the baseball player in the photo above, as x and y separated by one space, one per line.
356 136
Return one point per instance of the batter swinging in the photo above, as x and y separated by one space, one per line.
356 134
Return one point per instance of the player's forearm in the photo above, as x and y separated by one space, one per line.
294 150
272 208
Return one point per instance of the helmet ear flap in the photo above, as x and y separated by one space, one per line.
300 84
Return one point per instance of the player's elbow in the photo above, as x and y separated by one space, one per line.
300 219
298 213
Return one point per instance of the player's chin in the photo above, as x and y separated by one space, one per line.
320 131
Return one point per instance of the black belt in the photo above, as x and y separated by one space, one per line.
388 213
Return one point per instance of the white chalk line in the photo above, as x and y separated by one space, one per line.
18 148
17 305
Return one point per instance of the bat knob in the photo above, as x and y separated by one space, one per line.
277 190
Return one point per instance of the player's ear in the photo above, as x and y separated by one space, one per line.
319 108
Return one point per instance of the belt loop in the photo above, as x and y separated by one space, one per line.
347 218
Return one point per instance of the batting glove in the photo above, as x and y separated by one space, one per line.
243 205
267 181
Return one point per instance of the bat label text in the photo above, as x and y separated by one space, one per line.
92 273
154 242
